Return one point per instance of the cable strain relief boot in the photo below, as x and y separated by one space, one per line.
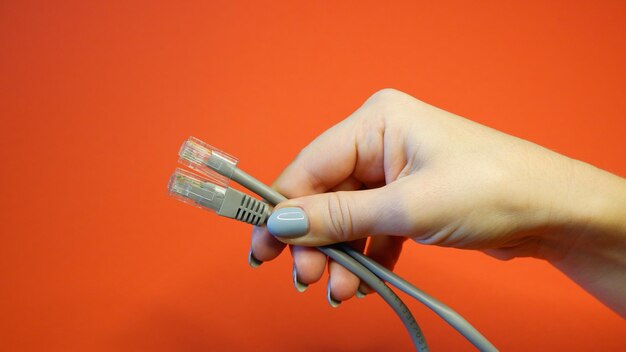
252 211
244 208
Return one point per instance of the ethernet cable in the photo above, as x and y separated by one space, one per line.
229 202
191 189
222 167
204 158
383 290
446 313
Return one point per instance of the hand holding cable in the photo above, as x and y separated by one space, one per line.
398 168
211 193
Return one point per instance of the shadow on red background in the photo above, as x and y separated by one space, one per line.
95 98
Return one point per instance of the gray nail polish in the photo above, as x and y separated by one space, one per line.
333 302
360 294
288 223
252 261
300 287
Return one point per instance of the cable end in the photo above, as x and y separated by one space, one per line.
206 159
194 190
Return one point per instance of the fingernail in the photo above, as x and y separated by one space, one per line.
288 223
300 287
252 261
360 294
333 302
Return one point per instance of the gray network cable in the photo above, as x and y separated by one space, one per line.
209 161
229 202
446 313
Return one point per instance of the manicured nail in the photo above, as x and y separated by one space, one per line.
300 287
288 223
252 261
360 294
333 302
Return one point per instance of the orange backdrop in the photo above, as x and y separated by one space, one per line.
96 97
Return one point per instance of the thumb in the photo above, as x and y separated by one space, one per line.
337 217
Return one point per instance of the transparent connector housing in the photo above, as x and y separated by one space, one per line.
207 160
216 197
192 189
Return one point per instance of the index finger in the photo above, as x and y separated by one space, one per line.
353 147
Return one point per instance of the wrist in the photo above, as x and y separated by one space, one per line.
587 214
597 199
590 248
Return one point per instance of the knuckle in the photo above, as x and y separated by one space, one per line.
385 95
385 104
339 216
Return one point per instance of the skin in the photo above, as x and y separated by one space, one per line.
400 168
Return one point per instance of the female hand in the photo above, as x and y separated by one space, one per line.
398 168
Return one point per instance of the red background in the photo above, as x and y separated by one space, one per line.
96 97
